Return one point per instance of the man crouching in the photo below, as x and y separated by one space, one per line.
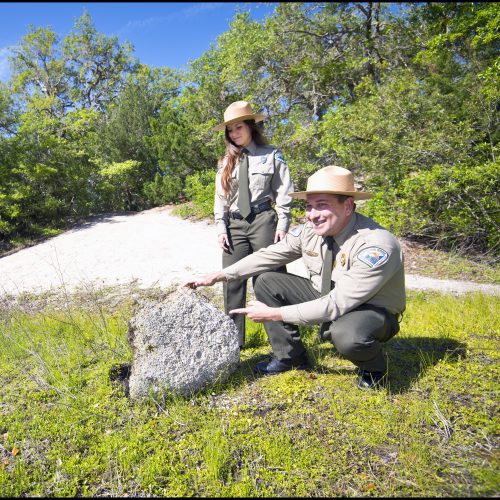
355 287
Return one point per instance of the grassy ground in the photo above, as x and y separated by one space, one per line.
67 428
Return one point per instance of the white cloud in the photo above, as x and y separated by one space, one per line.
201 8
186 13
140 24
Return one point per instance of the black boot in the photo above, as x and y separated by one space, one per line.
278 366
368 381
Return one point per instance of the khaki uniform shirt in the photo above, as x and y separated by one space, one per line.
368 269
269 180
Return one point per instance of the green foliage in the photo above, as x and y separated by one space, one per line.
393 94
163 189
61 89
178 140
67 429
96 64
48 180
200 190
400 127
123 183
451 206
125 131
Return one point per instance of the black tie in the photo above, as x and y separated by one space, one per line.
326 279
326 275
243 191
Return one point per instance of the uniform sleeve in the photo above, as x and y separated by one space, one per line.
362 281
282 185
278 254
220 205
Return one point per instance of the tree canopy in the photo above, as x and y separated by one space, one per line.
403 94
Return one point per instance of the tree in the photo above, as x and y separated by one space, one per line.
125 131
62 93
40 72
96 65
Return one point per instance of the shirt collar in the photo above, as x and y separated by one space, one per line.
341 238
251 148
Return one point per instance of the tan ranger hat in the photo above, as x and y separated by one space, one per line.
334 180
237 112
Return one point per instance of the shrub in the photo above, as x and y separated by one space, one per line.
121 182
163 189
200 190
456 207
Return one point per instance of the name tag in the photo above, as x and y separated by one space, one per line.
311 253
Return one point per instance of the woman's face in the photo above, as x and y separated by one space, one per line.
240 133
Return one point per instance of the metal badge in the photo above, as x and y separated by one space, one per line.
342 260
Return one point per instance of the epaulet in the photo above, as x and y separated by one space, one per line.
296 230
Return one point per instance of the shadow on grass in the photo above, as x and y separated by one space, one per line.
408 359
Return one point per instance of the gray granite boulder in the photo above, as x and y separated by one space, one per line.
180 344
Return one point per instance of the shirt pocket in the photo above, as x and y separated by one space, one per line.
313 264
260 176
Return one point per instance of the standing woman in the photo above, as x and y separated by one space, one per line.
251 177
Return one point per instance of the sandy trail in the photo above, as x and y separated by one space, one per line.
147 248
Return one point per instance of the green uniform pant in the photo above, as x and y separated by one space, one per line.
357 335
245 237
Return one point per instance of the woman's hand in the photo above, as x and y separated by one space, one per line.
224 242
280 235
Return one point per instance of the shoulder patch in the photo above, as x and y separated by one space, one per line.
279 156
296 230
373 256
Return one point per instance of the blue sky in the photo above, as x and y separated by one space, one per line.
162 33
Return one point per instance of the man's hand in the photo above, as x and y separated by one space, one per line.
259 312
205 280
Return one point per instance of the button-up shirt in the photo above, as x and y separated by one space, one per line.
368 269
269 180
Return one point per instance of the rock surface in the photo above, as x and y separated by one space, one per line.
180 344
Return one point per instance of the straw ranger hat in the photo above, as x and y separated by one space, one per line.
333 180
237 112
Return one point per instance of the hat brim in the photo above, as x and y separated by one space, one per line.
256 116
357 195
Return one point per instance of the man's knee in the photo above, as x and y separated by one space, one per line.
262 283
357 335
352 345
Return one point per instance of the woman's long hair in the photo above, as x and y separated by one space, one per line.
233 153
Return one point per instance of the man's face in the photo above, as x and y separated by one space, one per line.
327 215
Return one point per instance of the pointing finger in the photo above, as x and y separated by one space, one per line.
242 310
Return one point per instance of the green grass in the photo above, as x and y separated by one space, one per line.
67 429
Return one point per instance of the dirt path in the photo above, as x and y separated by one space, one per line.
148 248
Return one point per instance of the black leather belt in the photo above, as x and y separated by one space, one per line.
261 207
